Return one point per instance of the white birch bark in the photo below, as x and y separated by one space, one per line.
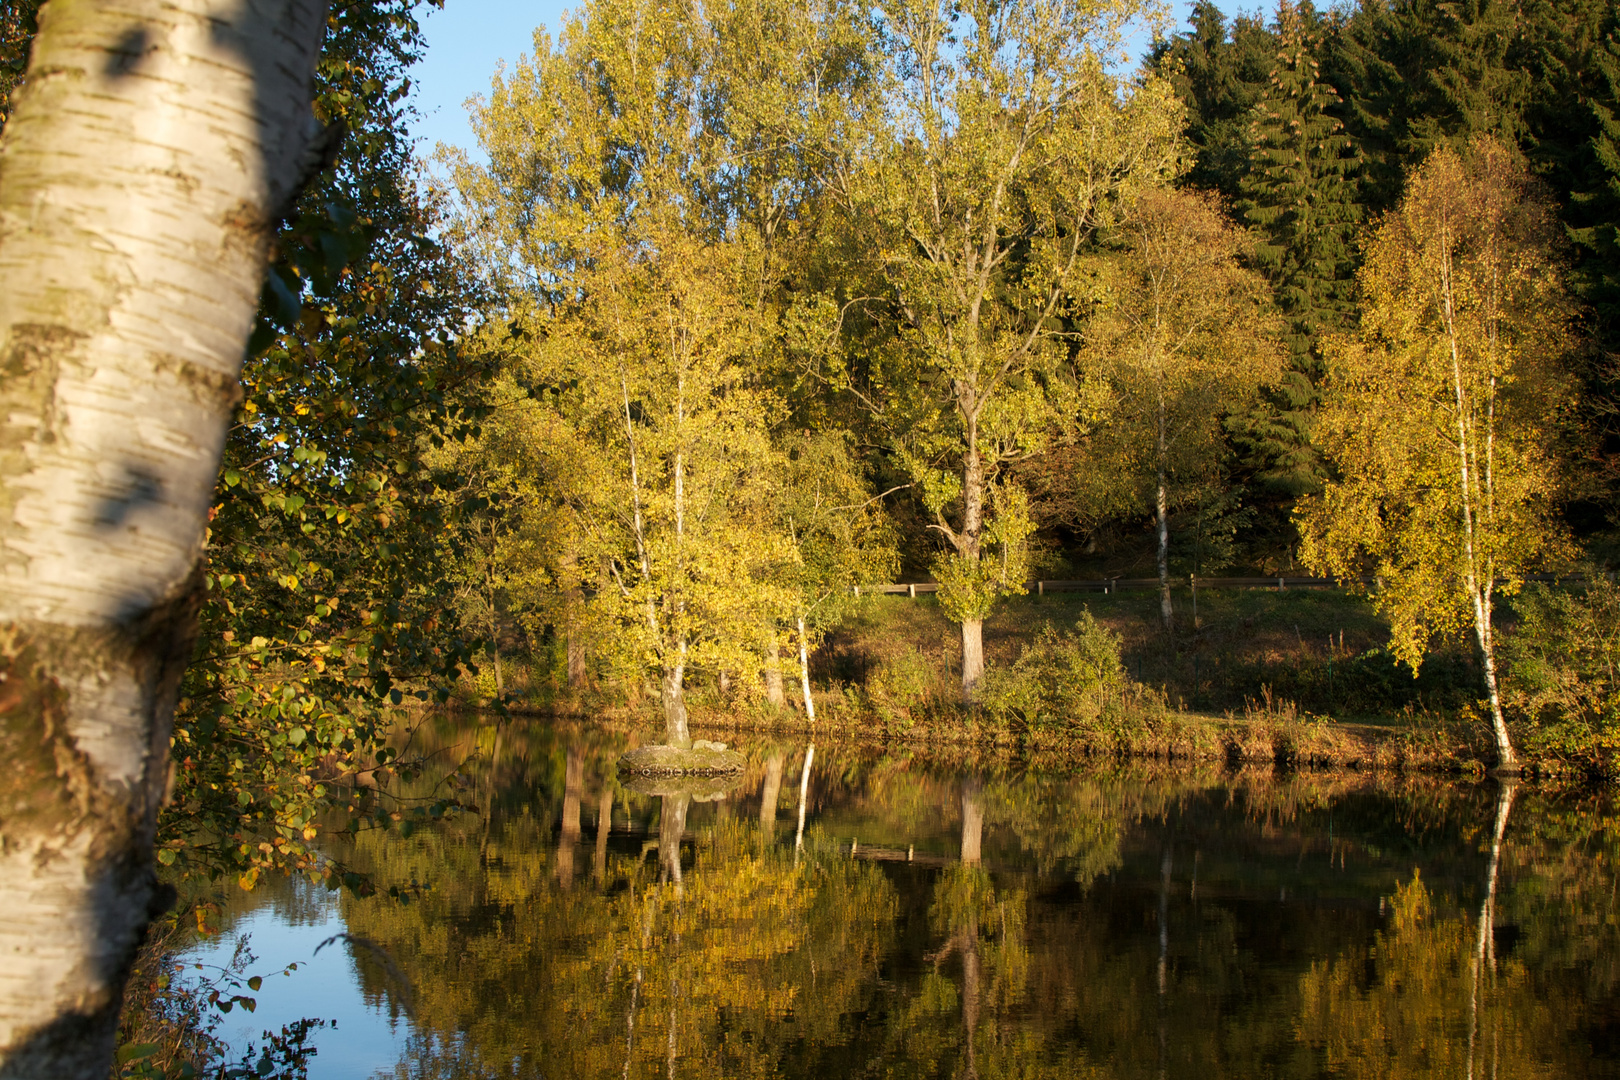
804 672
151 150
1477 585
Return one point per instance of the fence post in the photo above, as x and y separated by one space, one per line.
1040 588
911 591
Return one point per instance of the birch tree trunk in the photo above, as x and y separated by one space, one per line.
1161 506
152 150
804 672
1478 585
672 696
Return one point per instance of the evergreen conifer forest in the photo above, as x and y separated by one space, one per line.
750 308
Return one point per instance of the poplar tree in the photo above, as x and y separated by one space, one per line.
1005 144
1300 197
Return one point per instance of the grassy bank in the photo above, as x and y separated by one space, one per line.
1320 649
1296 677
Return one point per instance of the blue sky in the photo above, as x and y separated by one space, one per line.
466 40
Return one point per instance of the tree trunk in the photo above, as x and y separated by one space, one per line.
1478 585
672 695
604 825
972 657
142 174
972 822
1507 763
574 638
804 798
568 836
768 796
1162 505
1485 939
967 546
804 672
724 679
576 655
671 827
773 669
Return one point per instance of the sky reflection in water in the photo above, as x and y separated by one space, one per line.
953 919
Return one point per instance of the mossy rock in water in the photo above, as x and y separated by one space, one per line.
702 759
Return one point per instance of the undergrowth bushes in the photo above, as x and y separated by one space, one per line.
1073 677
1560 663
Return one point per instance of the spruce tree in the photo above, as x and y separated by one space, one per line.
1419 74
1300 197
1218 70
1593 214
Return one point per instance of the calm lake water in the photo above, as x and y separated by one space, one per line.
942 917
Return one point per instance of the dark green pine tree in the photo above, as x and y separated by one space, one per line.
1592 214
1219 71
1300 196
1417 74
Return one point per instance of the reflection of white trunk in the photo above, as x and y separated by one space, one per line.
804 798
1164 963
768 795
671 828
1484 941
967 941
804 671
152 148
635 985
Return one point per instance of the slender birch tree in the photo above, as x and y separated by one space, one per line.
147 159
1444 409
1184 335
1006 144
840 538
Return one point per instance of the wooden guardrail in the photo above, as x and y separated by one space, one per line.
1111 585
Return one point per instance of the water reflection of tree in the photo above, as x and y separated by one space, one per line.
1051 943
1431 996
709 945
